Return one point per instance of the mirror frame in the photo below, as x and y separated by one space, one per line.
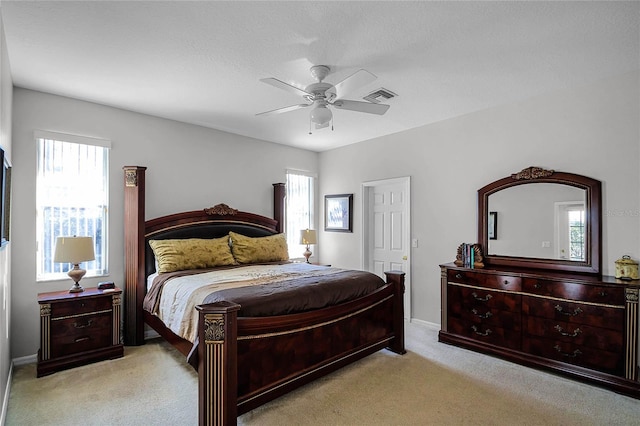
593 209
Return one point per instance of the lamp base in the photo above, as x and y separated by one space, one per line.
307 254
76 275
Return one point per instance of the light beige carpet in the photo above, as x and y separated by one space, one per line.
433 384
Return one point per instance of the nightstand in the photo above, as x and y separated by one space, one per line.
78 328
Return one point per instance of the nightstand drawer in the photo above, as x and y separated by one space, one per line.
78 334
80 306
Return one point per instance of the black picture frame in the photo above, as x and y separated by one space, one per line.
338 213
5 199
492 226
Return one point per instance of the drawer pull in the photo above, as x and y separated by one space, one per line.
506 282
459 276
87 324
537 285
570 355
603 294
575 312
484 316
82 339
485 333
564 333
481 299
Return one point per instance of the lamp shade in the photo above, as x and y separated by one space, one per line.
74 250
308 236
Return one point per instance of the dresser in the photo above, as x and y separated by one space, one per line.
578 325
78 328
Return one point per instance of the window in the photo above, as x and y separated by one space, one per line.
299 209
576 233
72 197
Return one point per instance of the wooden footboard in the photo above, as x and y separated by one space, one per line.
245 362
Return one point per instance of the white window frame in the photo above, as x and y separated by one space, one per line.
92 271
291 229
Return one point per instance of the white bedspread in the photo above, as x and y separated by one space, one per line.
181 295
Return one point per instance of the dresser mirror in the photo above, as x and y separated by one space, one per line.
542 219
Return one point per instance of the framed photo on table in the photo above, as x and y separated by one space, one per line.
338 213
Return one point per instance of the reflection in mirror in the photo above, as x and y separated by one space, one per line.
545 220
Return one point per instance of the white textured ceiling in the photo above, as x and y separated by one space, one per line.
200 62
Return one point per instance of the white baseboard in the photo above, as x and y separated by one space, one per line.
5 402
150 334
425 323
23 360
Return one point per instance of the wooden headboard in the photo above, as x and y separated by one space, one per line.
209 222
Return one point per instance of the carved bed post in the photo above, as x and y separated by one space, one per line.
217 364
134 215
397 278
279 193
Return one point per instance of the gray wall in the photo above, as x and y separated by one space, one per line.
6 91
591 130
189 168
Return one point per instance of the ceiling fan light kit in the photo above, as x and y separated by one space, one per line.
322 95
321 115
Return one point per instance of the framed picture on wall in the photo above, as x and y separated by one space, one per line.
5 198
338 213
492 226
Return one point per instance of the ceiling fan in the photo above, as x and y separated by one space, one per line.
321 95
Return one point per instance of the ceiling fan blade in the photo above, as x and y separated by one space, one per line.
285 86
354 81
359 106
284 109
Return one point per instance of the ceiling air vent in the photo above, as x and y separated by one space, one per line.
380 95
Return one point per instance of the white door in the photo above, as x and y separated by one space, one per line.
386 230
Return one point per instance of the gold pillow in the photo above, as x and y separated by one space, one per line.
259 249
191 253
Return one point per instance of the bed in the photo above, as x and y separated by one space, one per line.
244 360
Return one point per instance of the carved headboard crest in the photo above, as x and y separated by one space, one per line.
532 173
221 210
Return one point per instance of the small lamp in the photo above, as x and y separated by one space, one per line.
307 236
74 250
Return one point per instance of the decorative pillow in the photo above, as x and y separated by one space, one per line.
259 249
191 253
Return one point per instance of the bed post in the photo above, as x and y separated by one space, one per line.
217 364
134 215
279 193
397 278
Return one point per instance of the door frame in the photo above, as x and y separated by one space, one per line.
366 249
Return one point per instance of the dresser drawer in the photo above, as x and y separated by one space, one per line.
574 313
81 305
574 291
485 307
578 334
500 282
78 334
486 333
596 359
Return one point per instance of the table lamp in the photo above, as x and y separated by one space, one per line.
74 250
307 236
